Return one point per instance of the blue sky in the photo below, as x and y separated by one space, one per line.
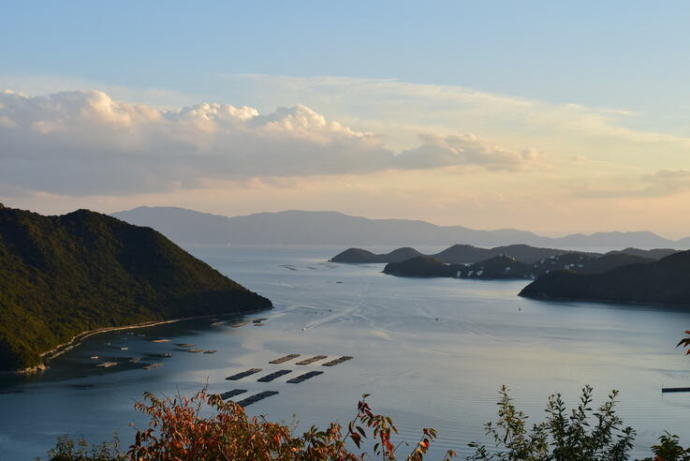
630 54
498 84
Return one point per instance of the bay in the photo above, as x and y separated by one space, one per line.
432 353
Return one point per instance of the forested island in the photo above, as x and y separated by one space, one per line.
63 275
506 262
666 281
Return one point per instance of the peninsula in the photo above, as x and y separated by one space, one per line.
61 276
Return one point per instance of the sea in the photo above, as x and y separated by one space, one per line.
429 352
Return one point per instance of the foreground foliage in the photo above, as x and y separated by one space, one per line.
583 434
179 431
204 427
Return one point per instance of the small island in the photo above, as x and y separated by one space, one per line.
62 277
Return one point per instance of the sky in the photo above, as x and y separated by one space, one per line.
555 117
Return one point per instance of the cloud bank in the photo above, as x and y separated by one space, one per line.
84 142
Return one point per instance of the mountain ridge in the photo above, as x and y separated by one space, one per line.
335 228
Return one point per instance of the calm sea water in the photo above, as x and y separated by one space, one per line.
430 353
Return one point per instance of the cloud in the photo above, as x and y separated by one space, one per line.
437 152
662 183
84 142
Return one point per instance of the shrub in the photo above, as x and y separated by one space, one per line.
583 434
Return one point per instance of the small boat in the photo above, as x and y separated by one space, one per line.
94 357
152 366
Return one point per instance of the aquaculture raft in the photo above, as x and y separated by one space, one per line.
274 375
304 377
232 393
243 374
675 389
316 358
284 359
255 398
337 361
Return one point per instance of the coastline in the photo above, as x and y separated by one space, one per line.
79 338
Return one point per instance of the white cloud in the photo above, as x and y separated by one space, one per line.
84 142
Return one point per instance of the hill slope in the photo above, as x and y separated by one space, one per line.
665 281
62 275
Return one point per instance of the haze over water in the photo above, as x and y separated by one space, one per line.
430 352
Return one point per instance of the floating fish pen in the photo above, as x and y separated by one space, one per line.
256 397
243 374
135 360
152 366
239 324
316 358
284 359
160 340
194 351
162 355
276 374
210 351
95 357
675 389
218 324
259 320
337 361
304 377
106 364
232 393
185 345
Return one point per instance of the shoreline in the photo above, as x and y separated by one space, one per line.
79 338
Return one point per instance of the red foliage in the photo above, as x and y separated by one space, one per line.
178 431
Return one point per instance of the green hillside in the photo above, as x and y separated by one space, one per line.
666 281
62 275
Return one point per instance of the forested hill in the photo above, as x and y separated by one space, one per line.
666 281
62 275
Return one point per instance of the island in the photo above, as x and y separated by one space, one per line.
64 276
503 267
666 281
469 254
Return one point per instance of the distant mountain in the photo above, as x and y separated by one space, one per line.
665 281
63 275
332 228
